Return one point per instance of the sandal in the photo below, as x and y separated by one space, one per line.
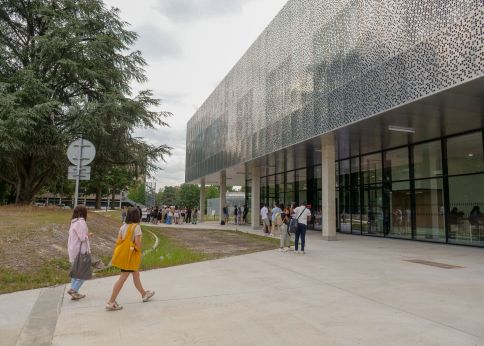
77 296
113 306
148 296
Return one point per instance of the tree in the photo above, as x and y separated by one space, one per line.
189 195
169 195
65 70
212 192
138 193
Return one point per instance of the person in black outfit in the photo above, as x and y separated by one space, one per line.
189 215
244 215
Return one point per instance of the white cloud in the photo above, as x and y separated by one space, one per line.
188 10
190 45
156 44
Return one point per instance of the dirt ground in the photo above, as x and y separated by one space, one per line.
30 237
219 243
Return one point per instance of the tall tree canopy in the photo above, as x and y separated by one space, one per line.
66 70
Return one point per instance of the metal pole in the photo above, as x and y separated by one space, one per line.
78 175
121 199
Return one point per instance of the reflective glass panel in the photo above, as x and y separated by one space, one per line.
371 168
464 154
344 211
355 210
372 215
466 217
397 162
429 198
401 210
427 160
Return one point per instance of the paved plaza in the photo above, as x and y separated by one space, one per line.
355 291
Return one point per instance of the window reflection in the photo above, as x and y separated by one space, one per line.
429 198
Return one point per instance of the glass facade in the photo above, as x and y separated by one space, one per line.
431 191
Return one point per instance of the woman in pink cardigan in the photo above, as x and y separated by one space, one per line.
78 241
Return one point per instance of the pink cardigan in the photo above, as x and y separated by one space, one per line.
78 233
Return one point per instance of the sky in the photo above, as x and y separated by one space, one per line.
190 46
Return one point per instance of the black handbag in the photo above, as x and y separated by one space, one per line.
81 268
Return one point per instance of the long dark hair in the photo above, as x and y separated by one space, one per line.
133 215
79 211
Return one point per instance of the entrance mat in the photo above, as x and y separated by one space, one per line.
434 264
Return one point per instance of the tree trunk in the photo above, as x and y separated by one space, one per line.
98 197
113 197
26 189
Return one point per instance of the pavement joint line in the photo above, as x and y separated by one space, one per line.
40 326
322 282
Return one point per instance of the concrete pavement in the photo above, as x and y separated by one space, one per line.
357 290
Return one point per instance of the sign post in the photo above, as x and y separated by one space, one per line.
80 153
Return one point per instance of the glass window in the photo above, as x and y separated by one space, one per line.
318 176
290 176
429 199
301 179
280 183
466 218
427 160
355 210
464 154
396 164
371 168
344 174
401 210
355 171
344 211
372 213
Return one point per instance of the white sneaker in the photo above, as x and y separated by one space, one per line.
296 252
302 253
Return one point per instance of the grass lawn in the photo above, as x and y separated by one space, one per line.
33 245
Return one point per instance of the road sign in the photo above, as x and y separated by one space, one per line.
88 152
85 173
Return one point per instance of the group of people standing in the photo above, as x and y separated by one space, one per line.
283 220
240 214
126 255
169 215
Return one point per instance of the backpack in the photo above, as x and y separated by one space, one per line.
278 219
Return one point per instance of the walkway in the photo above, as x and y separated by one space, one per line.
356 291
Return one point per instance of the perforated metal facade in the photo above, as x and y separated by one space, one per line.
321 65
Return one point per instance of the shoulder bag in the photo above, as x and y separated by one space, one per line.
81 268
126 255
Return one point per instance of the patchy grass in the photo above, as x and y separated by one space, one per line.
33 242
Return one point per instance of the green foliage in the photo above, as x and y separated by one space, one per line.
189 195
65 70
138 193
168 196
212 192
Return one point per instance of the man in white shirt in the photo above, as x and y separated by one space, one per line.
302 214
265 218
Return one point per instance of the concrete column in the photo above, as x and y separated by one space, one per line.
223 193
255 201
202 200
328 157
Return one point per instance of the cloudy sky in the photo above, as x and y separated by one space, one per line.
190 45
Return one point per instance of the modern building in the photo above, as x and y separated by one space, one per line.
370 111
232 199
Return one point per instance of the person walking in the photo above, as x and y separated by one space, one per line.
129 239
302 214
78 243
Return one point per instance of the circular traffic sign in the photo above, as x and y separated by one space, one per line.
81 148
